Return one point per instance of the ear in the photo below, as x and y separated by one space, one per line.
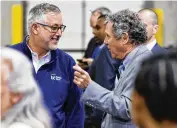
16 97
35 29
125 38
155 29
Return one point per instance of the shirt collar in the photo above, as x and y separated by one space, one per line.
27 52
151 44
48 55
101 46
130 56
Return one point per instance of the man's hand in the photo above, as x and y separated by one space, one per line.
81 77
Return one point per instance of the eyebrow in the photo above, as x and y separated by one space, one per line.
57 25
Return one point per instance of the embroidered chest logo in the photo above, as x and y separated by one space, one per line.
55 77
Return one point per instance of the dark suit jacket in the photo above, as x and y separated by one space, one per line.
104 69
93 43
157 49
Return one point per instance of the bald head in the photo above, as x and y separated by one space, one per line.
148 14
149 17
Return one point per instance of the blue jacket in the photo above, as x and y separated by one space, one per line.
61 95
104 69
157 49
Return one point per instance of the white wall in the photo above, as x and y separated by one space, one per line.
114 6
72 15
170 21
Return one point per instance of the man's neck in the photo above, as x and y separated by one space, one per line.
151 40
41 52
129 49
149 121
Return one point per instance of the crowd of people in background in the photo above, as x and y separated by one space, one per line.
125 79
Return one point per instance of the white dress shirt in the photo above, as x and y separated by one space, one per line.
151 44
37 63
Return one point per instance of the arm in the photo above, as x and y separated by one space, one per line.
108 101
75 118
75 115
116 102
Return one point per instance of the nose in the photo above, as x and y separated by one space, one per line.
59 32
94 31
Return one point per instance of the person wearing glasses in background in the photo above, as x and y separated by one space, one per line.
52 68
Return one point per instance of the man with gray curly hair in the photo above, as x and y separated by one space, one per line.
125 38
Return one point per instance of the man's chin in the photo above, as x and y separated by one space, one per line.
53 47
113 56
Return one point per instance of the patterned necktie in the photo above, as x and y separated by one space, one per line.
121 68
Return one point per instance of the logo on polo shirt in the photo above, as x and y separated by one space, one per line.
55 77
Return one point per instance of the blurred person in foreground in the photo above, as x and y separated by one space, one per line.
21 102
103 69
150 18
52 68
125 37
155 94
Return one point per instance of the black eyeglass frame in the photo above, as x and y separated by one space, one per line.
54 29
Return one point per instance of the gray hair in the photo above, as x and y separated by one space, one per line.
29 110
103 11
126 21
37 13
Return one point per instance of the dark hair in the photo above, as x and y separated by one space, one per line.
156 82
103 11
129 22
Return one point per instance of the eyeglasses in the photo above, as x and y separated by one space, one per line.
54 29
